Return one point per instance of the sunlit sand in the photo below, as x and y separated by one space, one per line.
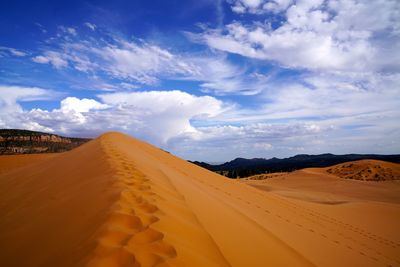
117 201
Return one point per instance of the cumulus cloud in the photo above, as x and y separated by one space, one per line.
154 116
11 95
162 115
321 113
203 127
80 105
10 99
333 35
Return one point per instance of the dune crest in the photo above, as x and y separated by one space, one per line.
117 201
135 233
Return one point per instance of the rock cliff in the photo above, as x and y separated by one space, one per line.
14 141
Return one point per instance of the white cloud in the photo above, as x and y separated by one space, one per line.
343 96
161 115
91 26
141 63
155 116
135 63
11 95
10 98
254 132
263 146
80 105
41 28
220 77
320 35
216 143
50 57
12 51
319 114
332 96
69 30
203 127
130 62
259 6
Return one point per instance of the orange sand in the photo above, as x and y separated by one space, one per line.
12 162
116 201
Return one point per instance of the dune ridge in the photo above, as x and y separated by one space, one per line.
135 235
117 201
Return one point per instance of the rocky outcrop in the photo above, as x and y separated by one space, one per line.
14 141
39 138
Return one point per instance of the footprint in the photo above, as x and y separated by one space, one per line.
147 207
107 256
114 238
163 249
147 236
125 222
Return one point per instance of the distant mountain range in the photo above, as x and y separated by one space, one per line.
241 167
15 141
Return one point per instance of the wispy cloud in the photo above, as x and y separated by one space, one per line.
137 62
56 59
68 30
91 26
259 6
12 52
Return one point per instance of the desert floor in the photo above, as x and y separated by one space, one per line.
116 201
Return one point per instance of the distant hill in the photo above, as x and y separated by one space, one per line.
15 141
241 167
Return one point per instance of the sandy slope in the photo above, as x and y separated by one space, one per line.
12 162
116 201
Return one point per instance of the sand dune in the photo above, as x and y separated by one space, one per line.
116 201
370 170
13 162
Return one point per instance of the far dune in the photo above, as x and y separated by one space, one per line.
370 170
371 205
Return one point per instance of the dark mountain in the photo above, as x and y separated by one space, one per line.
246 167
14 141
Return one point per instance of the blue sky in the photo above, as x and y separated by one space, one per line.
207 80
